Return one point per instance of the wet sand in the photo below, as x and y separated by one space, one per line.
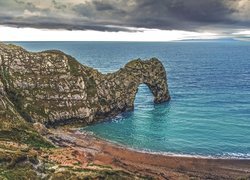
157 166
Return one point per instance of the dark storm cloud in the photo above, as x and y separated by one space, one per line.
58 5
187 14
102 6
27 5
204 11
53 24
117 15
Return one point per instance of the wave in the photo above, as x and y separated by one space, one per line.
225 155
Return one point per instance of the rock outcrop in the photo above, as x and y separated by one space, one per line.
52 88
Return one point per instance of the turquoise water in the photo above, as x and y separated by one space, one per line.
209 82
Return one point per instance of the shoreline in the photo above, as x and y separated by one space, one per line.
148 151
158 166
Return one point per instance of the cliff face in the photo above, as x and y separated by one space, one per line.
52 88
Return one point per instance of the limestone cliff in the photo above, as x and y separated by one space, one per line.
52 88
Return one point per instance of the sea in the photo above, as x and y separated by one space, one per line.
209 83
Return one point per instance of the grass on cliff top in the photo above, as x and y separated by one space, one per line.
18 130
30 138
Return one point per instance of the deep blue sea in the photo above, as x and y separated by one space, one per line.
209 82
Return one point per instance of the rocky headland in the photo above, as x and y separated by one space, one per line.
43 95
54 89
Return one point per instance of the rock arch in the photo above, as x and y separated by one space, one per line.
150 72
53 88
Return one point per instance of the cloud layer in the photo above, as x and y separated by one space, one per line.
120 15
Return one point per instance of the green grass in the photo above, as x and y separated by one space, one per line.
74 66
18 173
24 136
98 165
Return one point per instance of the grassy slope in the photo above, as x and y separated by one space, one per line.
21 150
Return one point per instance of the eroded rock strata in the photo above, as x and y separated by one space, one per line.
52 88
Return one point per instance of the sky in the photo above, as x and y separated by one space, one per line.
123 20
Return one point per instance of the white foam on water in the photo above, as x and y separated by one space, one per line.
240 156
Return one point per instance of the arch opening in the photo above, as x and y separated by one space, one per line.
143 97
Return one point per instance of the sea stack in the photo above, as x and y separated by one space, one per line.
53 88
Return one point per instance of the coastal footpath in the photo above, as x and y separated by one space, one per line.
45 96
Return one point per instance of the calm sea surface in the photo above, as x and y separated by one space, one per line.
209 82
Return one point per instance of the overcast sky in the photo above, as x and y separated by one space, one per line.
139 20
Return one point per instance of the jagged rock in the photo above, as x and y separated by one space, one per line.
52 88
40 128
